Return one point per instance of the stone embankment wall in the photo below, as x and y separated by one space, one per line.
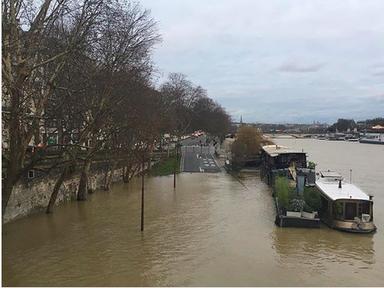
33 196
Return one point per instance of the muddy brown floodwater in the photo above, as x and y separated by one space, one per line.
212 230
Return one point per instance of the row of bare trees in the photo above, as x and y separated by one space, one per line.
82 70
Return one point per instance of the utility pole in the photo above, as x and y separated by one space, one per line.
350 175
142 194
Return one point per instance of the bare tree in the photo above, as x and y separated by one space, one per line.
30 69
82 70
116 57
179 96
210 117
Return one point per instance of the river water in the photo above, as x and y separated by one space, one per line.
212 230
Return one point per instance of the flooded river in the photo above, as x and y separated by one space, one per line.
212 230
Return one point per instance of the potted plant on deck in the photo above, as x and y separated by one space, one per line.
295 208
308 212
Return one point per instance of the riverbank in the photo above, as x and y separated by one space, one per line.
31 197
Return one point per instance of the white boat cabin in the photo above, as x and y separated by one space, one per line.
344 205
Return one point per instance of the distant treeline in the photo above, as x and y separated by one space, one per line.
343 125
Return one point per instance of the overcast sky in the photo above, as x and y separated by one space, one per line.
278 61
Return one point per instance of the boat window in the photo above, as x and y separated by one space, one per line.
338 210
364 208
350 210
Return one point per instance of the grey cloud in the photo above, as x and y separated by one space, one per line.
300 68
253 61
378 65
378 73
378 69
378 98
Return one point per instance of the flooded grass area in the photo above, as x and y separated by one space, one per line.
166 166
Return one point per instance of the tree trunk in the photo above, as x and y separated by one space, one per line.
105 188
134 170
126 173
109 176
83 184
149 164
168 148
56 189
6 193
13 169
12 176
128 170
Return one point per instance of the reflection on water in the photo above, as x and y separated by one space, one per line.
324 245
213 230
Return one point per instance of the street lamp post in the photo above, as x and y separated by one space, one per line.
178 145
174 171
142 195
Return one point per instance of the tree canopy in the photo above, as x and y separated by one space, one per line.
247 145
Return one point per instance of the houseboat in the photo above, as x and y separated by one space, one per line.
336 137
283 161
372 138
343 205
275 157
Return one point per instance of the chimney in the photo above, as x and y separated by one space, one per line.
339 184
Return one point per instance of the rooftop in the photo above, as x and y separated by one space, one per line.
347 190
378 127
275 150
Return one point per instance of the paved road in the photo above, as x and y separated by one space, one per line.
196 158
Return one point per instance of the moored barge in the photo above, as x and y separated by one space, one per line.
373 138
283 161
344 206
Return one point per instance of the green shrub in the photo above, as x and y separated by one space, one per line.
308 208
289 199
311 165
312 198
283 191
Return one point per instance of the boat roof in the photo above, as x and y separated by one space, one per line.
275 150
378 127
347 190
